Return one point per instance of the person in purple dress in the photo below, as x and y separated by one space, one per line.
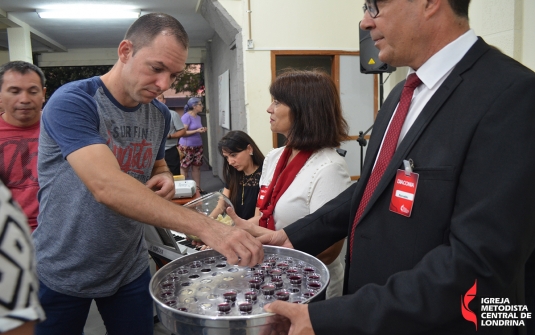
190 145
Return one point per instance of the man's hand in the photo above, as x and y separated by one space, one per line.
250 226
276 238
264 235
238 246
162 184
297 313
240 223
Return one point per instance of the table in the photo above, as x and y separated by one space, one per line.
182 201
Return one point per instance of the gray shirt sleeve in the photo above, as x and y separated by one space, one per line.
176 122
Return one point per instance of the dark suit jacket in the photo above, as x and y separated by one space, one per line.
473 146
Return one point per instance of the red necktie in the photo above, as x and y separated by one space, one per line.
387 150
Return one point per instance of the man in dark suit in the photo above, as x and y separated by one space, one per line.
470 137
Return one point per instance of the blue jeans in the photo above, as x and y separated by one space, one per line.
129 311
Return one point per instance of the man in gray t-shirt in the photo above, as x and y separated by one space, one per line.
176 131
102 176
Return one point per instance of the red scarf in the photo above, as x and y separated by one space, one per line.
282 178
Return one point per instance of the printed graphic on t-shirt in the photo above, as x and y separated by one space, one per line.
133 157
16 156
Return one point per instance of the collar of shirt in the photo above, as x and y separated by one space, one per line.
437 68
433 73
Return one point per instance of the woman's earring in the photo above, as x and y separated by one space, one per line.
250 153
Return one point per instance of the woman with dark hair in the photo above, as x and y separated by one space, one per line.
242 169
308 172
190 144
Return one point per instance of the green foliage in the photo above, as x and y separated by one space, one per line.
60 75
191 81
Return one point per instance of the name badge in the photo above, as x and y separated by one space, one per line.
404 192
261 196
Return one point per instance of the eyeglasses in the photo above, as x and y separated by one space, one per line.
371 8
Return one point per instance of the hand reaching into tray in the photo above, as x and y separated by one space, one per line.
264 235
296 313
240 247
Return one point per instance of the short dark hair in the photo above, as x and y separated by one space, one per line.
22 68
460 7
143 31
233 142
316 110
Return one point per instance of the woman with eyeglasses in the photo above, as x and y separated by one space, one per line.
242 169
190 145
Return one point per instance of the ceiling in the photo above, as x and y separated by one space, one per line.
50 35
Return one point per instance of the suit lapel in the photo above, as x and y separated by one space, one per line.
422 121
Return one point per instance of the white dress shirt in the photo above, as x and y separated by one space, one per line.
432 74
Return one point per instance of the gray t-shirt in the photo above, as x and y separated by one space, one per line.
84 248
176 125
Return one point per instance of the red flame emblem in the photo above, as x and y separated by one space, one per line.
465 300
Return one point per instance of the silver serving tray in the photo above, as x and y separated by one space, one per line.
184 323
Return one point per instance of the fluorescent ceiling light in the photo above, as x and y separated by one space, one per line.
94 12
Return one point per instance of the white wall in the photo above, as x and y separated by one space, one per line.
305 24
236 9
507 24
257 99
528 34
287 25
494 20
257 75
